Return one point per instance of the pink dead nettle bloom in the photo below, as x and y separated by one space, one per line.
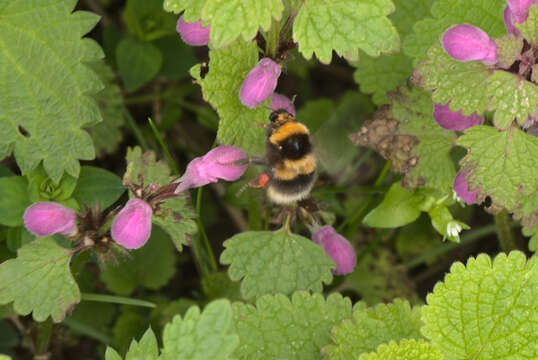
259 83
467 43
520 9
451 120
461 189
337 248
509 22
48 218
193 33
282 102
132 225
219 163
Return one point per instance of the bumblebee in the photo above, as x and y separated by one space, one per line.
291 164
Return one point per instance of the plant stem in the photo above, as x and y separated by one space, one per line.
204 253
44 331
504 232
113 299
136 131
171 161
271 46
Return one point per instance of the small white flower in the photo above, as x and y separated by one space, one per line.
457 198
453 229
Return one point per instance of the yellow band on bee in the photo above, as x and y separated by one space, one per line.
289 128
290 169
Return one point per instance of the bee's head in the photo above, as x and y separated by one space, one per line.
280 117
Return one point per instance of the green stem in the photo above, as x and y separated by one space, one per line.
204 254
44 331
504 233
115 300
136 131
171 161
271 46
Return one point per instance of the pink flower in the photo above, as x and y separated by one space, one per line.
450 120
259 83
193 33
467 42
48 218
461 189
219 163
520 9
337 248
509 22
282 102
132 226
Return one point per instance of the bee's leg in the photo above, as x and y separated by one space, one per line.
256 183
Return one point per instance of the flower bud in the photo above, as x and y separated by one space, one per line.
219 163
282 102
467 42
509 22
193 33
337 248
132 226
520 9
451 120
259 83
461 189
48 218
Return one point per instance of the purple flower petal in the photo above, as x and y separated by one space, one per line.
218 163
48 218
193 33
259 83
337 248
509 22
132 226
282 102
467 42
461 188
450 120
520 9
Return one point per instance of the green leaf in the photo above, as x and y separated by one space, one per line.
9 338
147 20
107 134
138 62
151 266
371 327
98 186
175 216
111 354
4 171
42 188
201 336
529 28
485 310
533 234
233 18
315 112
485 14
14 200
46 89
509 48
218 285
278 328
398 208
405 350
129 325
377 75
146 349
276 262
503 164
228 67
178 57
345 26
39 280
192 8
474 87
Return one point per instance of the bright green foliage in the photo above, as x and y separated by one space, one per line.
533 233
399 207
229 19
473 87
228 68
45 88
146 349
107 135
151 266
97 186
39 280
509 49
413 109
201 336
130 324
529 28
175 216
345 26
372 326
503 164
276 262
41 188
13 192
138 62
406 350
377 75
485 14
486 310
277 328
